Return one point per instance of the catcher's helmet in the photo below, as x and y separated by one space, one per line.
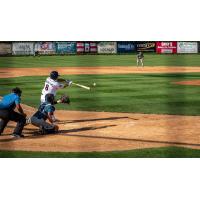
54 75
50 98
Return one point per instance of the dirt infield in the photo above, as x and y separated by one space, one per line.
192 82
15 72
105 131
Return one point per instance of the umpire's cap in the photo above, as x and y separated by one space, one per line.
17 91
54 75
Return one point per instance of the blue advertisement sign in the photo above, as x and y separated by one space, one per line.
66 47
126 47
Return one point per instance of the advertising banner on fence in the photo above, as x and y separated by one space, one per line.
126 47
93 47
146 46
187 47
86 47
5 48
166 47
23 48
66 47
45 47
80 47
199 47
107 47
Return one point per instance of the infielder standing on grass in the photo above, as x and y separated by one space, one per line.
7 113
140 58
52 84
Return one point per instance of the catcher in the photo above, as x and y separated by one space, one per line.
46 111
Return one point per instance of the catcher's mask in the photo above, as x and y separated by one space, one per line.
50 98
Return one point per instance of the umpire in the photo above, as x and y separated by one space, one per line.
7 113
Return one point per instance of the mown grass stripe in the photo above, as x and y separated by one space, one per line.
100 60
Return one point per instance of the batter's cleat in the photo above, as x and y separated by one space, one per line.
17 135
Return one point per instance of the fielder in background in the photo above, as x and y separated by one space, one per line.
140 58
52 84
46 111
7 113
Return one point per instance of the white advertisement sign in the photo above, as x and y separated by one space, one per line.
107 47
23 48
187 47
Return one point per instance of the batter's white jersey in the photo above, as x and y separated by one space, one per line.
50 87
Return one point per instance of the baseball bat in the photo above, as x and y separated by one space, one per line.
82 86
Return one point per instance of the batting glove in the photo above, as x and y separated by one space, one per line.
68 82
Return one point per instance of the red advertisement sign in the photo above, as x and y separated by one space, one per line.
166 47
86 47
80 47
93 47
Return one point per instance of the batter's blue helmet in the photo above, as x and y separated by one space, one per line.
54 75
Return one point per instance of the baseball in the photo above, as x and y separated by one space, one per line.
94 84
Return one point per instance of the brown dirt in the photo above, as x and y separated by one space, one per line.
15 72
192 82
105 131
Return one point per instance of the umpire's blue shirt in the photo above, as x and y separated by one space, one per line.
10 101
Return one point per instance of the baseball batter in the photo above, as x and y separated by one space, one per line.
140 58
52 84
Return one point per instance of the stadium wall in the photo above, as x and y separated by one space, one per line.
94 47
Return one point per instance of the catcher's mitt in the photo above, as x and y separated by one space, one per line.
64 99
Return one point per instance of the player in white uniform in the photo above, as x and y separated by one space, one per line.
52 85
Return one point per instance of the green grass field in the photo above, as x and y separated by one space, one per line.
138 93
164 152
100 60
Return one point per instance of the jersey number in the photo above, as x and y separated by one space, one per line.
46 87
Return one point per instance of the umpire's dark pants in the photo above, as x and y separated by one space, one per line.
7 115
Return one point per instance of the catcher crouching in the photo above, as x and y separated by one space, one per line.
46 111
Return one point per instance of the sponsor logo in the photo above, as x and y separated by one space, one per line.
45 46
166 44
126 46
107 49
65 45
166 51
146 45
23 47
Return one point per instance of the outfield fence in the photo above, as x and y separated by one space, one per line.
100 47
